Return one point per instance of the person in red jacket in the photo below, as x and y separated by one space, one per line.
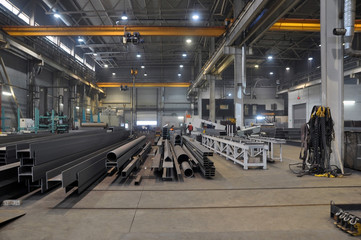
190 128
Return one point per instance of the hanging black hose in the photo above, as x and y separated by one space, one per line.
317 136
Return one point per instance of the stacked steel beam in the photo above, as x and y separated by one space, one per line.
36 159
201 154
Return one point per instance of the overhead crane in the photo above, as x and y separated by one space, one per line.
304 25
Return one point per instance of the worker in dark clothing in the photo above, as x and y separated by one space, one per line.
190 128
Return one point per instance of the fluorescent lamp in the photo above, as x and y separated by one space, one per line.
179 74
113 74
349 102
145 74
287 68
7 93
184 55
142 66
106 65
260 117
80 39
189 41
271 73
270 57
138 55
310 58
57 15
181 66
256 66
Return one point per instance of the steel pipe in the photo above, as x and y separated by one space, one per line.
180 154
188 171
118 152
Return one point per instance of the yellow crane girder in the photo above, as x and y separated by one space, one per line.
129 85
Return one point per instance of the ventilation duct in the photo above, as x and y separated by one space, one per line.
349 25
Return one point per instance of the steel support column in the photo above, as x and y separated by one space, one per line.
199 60
238 94
212 98
332 80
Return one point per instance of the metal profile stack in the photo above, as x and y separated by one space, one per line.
201 154
137 161
8 155
168 163
165 133
36 159
119 156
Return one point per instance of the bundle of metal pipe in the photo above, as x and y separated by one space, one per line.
36 159
201 154
180 154
119 156
188 171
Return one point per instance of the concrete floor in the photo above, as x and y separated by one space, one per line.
236 204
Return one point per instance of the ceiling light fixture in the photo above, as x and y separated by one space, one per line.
310 58
106 65
184 55
95 54
138 55
80 39
145 74
189 41
7 93
270 73
57 15
195 17
181 66
142 66
179 75
256 66
124 16
229 94
270 57
113 74
287 68
77 107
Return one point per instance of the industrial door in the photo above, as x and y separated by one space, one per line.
299 115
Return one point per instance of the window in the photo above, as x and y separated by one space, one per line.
7 4
65 48
223 107
77 57
146 123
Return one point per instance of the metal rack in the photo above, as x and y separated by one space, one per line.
238 152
